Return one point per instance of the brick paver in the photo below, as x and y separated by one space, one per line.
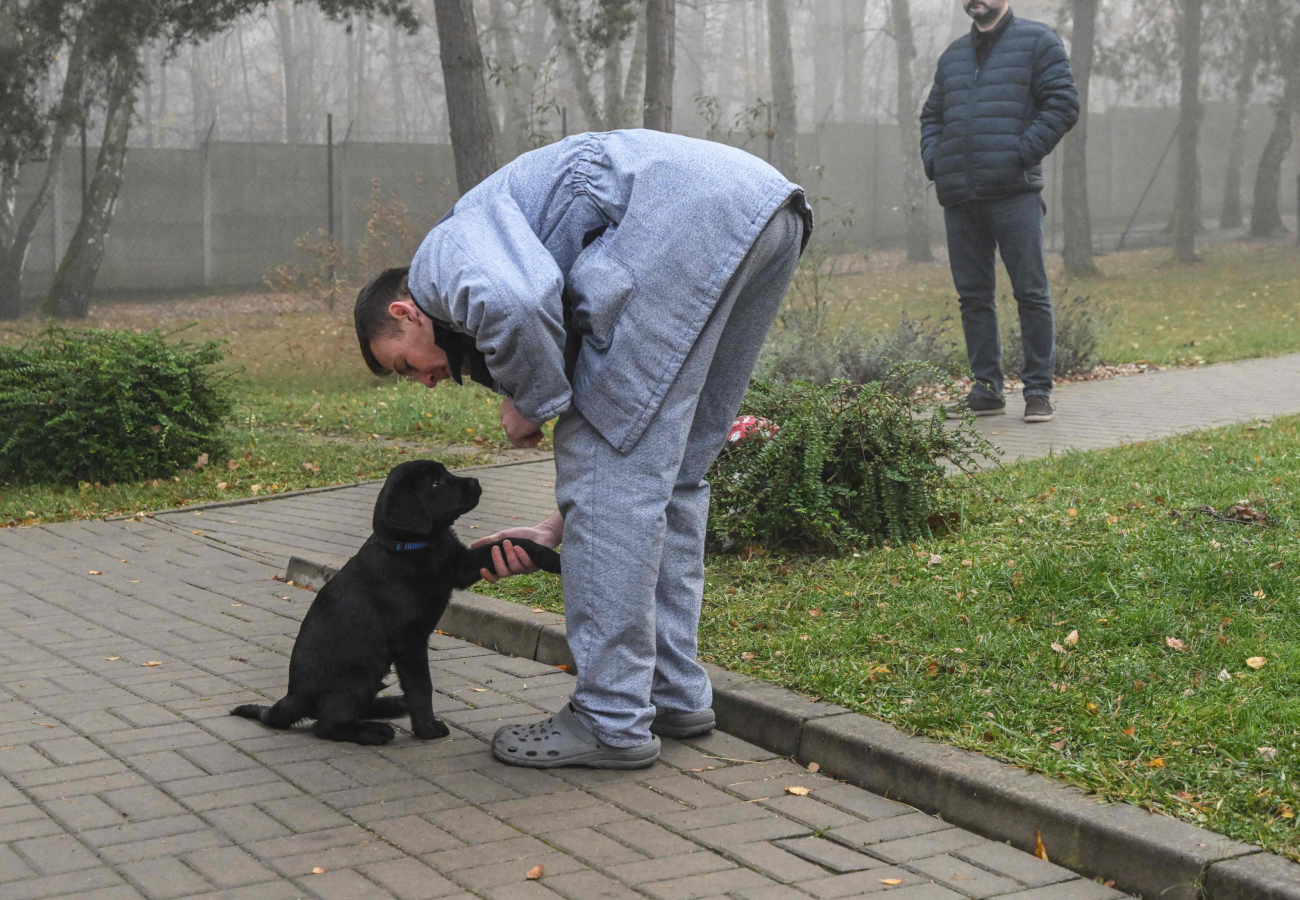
125 777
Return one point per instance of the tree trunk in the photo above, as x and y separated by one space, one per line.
16 231
1265 215
634 87
785 122
395 76
661 29
69 295
827 68
468 113
853 51
577 67
1230 216
1187 198
514 130
613 78
1077 249
289 73
909 136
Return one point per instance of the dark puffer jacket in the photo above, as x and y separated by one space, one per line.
986 127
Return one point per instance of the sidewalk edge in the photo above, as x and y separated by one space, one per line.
1148 854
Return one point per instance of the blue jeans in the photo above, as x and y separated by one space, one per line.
1014 226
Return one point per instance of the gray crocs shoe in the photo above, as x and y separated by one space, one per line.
673 724
562 740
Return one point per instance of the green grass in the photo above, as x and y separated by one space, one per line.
953 637
1241 301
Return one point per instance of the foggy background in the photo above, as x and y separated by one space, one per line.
228 166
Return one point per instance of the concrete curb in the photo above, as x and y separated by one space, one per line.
1154 856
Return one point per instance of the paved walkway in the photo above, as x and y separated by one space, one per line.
124 644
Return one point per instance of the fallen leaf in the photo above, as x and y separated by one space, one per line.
746 655
1072 639
1183 796
1128 732
1057 647
1071 512
221 485
1266 753
1275 565
256 488
1039 850
1176 644
1157 763
934 560
48 725
891 881
1224 676
201 462
232 465
814 612
798 790
813 767
1259 595
96 572
152 662
1257 662
318 871
312 467
534 873
240 658
478 690
1059 745
967 563
1090 707
111 658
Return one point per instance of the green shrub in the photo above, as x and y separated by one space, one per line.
107 406
1080 327
798 355
852 465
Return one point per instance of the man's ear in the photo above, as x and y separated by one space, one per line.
401 505
403 309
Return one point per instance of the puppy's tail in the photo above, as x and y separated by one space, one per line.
285 714
251 711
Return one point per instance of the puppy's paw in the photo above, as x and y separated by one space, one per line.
375 733
544 558
431 730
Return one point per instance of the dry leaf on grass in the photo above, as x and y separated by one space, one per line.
232 464
746 655
1059 745
798 790
1175 644
1266 753
1128 732
201 462
534 873
1257 662
1157 763
1039 850
934 560
1057 647
1072 639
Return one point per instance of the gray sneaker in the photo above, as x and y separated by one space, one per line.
978 403
672 724
1038 408
562 740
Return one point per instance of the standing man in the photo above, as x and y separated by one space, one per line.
624 283
1003 96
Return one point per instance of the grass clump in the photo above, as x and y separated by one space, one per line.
851 465
108 405
848 355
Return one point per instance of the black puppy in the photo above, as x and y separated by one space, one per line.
380 610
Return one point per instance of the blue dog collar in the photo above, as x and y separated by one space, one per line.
403 545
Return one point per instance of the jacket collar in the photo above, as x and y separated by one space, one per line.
460 348
990 37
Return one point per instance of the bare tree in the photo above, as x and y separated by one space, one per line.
285 21
659 64
781 68
468 112
1077 250
1187 197
909 135
1247 42
827 68
1265 215
853 14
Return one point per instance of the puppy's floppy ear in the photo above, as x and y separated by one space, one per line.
402 503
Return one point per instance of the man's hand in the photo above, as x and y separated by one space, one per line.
519 430
514 561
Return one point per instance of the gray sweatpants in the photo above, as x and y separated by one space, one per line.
634 522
